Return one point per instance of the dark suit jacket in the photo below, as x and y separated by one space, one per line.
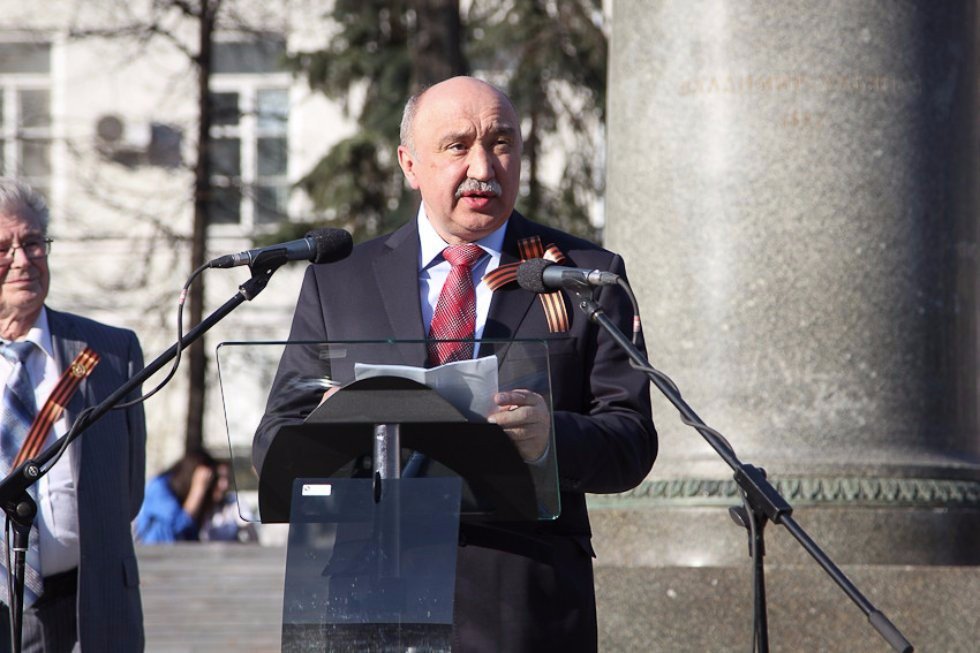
519 586
109 460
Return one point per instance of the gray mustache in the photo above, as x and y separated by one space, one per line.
477 186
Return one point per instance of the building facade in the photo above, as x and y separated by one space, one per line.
99 111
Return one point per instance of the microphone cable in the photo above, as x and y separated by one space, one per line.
180 336
83 416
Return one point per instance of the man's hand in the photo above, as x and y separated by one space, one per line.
329 393
524 416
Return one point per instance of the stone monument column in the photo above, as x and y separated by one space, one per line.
793 185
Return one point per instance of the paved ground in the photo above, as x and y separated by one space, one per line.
228 598
212 597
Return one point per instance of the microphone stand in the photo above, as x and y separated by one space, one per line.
762 502
21 526
14 498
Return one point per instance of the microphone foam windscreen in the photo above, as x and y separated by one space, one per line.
331 244
529 274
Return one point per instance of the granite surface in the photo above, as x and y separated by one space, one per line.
700 609
793 186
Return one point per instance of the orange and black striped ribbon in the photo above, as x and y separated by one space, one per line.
553 302
70 379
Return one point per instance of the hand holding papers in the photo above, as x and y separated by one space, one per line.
525 418
469 385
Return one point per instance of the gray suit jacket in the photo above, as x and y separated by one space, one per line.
109 461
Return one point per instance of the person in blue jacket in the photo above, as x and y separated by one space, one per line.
177 502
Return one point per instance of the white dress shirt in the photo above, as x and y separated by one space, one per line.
433 270
57 516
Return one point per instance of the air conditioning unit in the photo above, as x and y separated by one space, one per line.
136 143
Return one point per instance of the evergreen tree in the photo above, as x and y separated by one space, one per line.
551 59
549 56
385 51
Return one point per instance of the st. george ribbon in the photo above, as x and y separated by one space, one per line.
540 276
318 246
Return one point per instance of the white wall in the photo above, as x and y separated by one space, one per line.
120 252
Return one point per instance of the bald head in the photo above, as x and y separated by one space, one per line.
453 85
461 149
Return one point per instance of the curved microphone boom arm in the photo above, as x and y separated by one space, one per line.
762 501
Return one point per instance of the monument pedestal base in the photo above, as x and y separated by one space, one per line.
688 609
678 579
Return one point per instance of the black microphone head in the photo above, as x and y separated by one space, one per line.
530 274
331 245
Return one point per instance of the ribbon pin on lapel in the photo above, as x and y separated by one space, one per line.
552 302
67 384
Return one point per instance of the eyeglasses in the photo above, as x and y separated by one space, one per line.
34 248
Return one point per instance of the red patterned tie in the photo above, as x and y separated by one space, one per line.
455 314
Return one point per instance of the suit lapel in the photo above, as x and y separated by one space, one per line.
509 305
67 344
396 273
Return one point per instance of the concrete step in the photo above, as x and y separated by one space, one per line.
227 597
212 597
694 610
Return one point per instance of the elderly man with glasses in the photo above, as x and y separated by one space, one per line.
81 580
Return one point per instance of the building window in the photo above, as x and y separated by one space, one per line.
25 113
249 134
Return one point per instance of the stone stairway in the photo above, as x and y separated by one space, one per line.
227 597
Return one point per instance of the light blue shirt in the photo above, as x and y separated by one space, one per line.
433 270
162 519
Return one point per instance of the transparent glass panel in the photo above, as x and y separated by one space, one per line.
224 109
225 206
271 203
226 156
264 56
273 109
165 145
273 156
371 571
273 395
35 108
25 57
35 158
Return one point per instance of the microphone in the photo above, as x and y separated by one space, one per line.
319 246
539 275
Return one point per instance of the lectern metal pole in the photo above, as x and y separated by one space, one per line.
387 445
387 467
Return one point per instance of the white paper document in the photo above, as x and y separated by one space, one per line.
469 385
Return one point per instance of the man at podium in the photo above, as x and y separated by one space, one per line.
520 586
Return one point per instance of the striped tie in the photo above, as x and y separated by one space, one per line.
19 410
